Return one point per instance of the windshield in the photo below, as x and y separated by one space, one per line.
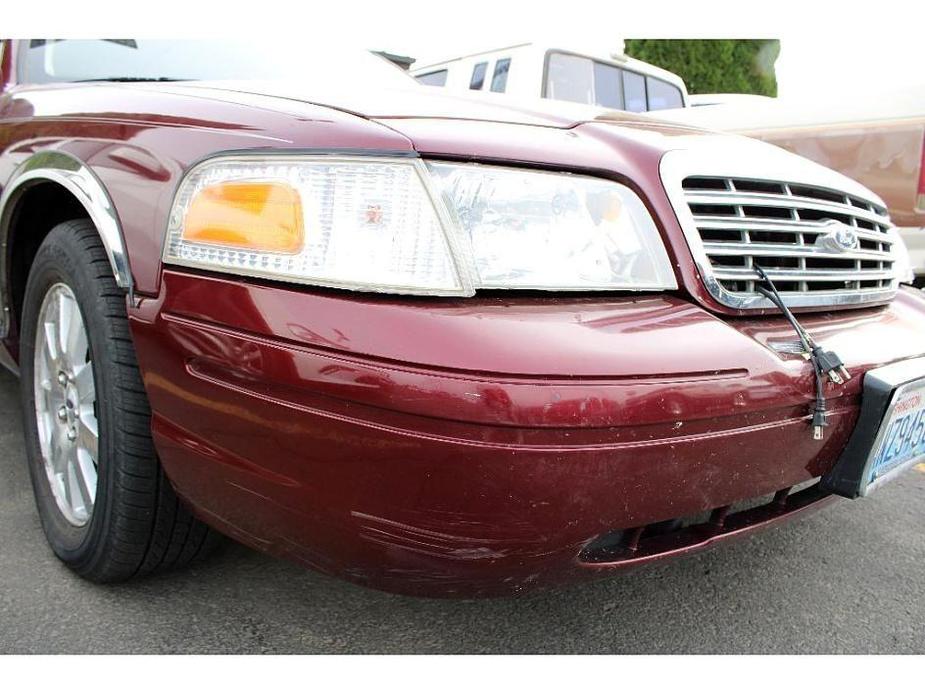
72 60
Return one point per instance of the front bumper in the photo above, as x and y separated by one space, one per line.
487 446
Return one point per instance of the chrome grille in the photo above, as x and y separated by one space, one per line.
786 228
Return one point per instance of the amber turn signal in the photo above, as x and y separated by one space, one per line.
254 216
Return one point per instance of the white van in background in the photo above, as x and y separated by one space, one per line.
535 70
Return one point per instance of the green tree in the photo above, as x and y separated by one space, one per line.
709 66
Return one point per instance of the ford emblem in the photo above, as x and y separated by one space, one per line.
838 237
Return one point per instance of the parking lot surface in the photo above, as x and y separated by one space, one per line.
848 579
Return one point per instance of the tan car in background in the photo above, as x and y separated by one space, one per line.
879 142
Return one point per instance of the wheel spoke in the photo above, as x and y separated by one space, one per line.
56 450
75 339
71 491
59 486
86 474
83 380
61 319
45 428
51 342
88 438
77 493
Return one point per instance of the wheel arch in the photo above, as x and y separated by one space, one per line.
59 178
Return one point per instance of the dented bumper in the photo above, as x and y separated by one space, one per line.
487 446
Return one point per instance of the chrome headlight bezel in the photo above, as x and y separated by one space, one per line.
460 254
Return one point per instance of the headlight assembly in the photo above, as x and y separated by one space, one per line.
404 226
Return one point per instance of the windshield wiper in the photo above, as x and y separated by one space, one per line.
134 79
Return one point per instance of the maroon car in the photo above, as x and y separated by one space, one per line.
430 344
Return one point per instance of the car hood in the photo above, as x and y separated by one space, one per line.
413 102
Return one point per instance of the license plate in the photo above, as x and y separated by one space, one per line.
889 436
900 443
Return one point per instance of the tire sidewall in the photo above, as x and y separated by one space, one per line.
60 259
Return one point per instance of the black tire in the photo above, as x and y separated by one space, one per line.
137 524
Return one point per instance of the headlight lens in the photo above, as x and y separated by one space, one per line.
539 230
265 217
402 226
368 224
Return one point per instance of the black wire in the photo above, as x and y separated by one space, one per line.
805 339
775 298
808 343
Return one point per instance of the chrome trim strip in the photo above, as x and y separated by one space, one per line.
738 248
788 275
75 176
741 158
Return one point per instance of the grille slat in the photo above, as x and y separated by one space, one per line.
778 225
777 201
788 229
735 248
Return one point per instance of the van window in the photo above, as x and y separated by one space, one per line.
634 91
499 76
433 79
478 76
569 78
586 81
608 85
663 95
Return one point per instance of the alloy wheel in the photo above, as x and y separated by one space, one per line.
65 404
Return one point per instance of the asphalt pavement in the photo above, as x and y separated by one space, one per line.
850 579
